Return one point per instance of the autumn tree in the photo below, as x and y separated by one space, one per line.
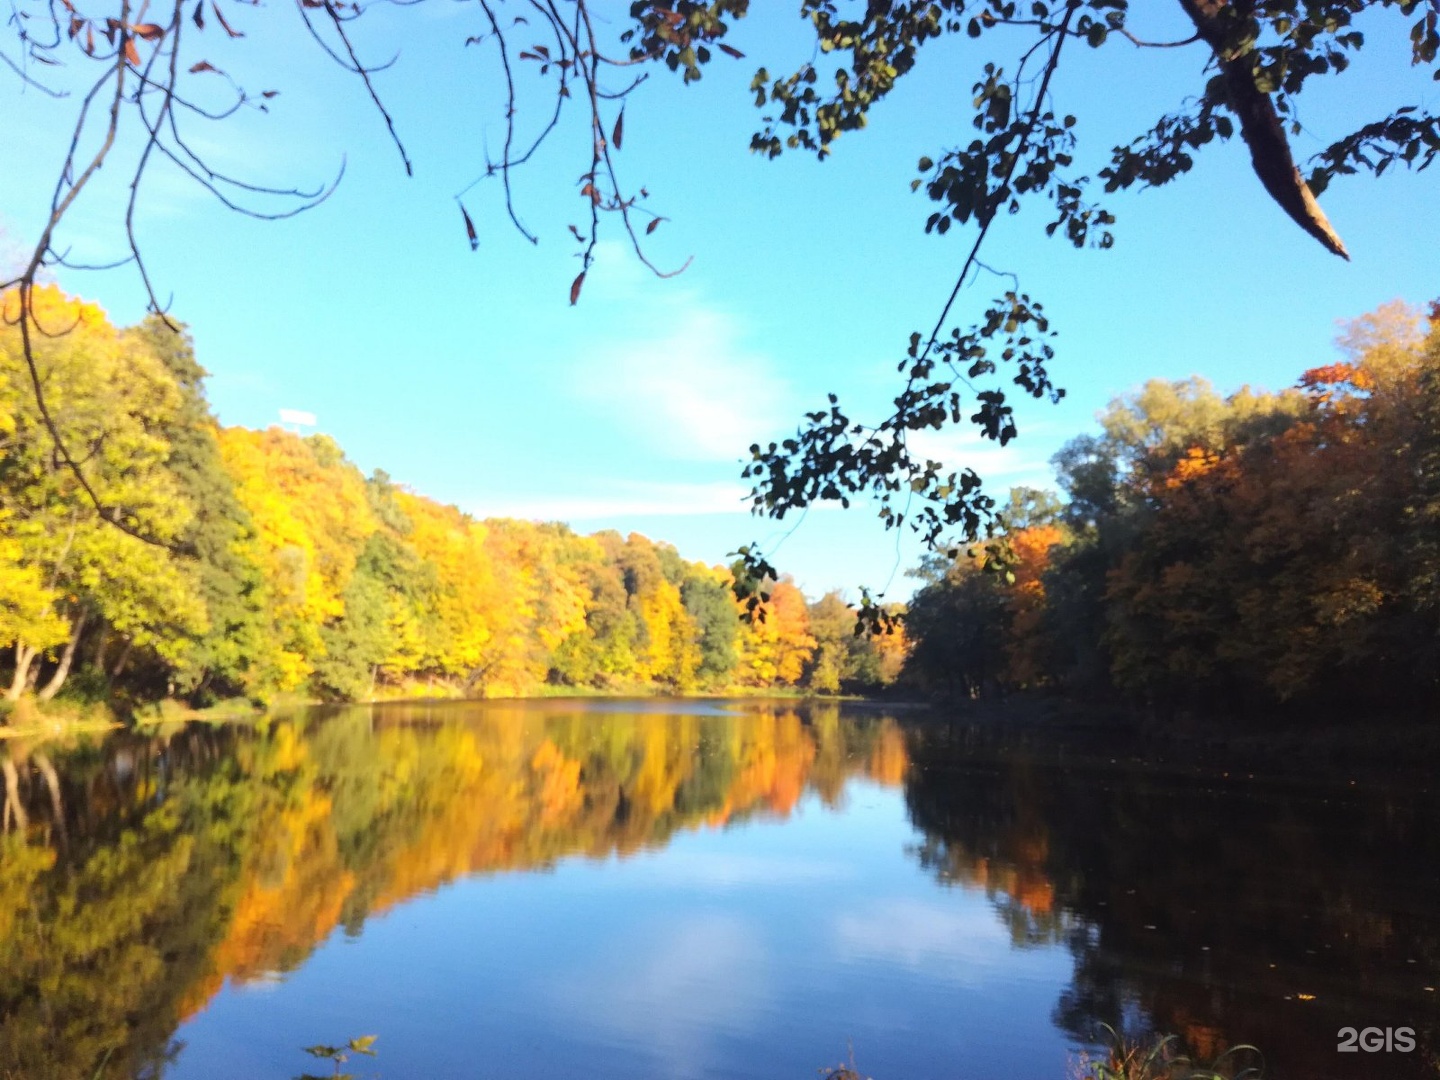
1224 552
261 563
831 624
977 623
310 519
776 645
845 657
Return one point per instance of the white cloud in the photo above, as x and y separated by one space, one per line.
955 941
692 389
713 870
1022 462
671 989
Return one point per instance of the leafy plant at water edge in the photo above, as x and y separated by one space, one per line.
339 1055
1162 1060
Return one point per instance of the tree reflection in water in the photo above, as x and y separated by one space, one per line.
214 854
139 876
1223 909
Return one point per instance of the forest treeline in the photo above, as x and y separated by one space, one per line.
1217 552
257 563
1211 551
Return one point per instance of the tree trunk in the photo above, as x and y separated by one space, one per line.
102 643
24 656
14 808
121 661
52 784
62 670
1261 125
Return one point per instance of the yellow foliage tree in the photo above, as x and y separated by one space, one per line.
775 648
311 518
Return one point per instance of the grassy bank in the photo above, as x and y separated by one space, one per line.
27 718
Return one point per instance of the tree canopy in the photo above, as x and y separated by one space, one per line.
153 77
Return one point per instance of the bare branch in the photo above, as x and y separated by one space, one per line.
30 80
505 160
364 72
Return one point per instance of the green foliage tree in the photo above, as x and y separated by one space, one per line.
361 639
217 660
707 599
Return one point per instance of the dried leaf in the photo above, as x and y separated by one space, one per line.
203 65
148 31
132 54
575 288
730 50
619 132
199 16
654 224
470 230
215 7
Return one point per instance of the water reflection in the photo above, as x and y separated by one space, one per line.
215 854
1223 909
141 877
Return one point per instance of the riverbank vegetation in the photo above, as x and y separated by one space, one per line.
260 563
1274 551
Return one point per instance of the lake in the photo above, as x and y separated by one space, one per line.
632 889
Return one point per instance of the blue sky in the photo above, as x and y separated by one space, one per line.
468 377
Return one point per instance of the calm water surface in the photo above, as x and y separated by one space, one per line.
692 889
